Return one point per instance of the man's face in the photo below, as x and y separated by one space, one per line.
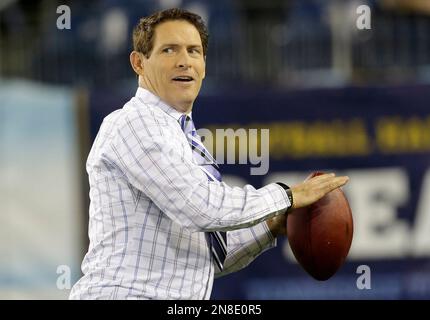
176 67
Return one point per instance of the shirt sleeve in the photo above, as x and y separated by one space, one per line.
152 163
244 245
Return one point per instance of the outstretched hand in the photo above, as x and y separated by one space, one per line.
304 194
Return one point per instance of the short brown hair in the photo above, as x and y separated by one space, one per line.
143 33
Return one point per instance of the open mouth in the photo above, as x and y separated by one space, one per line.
183 79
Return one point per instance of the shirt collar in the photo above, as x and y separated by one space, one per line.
147 96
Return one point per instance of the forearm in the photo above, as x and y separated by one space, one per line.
244 245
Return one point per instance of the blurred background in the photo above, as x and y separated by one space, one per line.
334 95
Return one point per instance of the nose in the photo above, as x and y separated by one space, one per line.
183 61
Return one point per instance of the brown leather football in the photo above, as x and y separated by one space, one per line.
320 235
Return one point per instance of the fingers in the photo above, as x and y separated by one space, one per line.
334 182
327 182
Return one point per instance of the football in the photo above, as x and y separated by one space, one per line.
320 235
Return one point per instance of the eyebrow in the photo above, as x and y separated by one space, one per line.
178 45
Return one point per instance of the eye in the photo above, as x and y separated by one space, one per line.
168 50
194 51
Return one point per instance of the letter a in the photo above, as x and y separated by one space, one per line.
63 21
364 20
364 281
63 281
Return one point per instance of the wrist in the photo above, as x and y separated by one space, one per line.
273 225
289 195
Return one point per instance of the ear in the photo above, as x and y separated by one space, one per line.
136 61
